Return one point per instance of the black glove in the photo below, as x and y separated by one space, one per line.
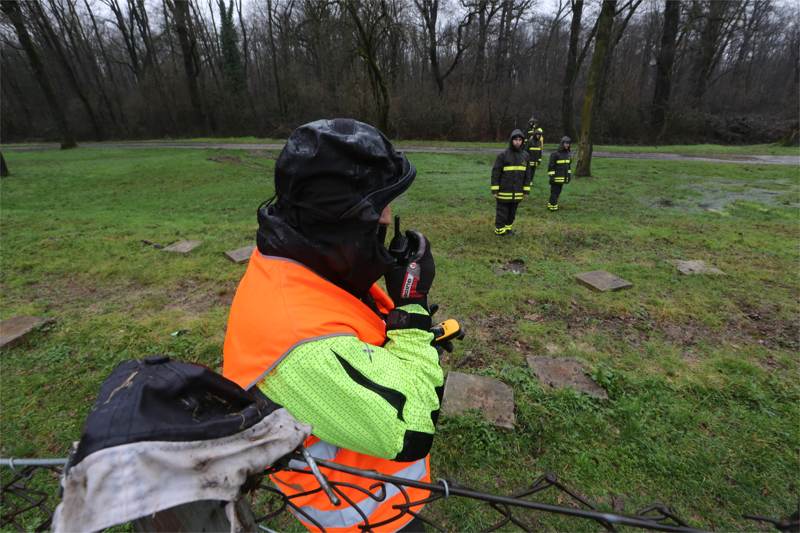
409 281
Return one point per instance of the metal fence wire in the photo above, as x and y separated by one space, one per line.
26 506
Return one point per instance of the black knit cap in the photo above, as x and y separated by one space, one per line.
338 170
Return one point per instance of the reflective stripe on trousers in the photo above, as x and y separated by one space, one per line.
348 516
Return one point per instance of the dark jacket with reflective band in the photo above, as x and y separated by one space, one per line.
535 146
511 174
559 168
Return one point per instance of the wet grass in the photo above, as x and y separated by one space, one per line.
704 406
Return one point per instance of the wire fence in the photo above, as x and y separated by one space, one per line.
28 506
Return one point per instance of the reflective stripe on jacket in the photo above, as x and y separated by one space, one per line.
535 145
279 305
511 175
559 169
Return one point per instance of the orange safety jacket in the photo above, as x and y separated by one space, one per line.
279 305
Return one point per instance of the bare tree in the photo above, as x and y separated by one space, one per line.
465 69
11 9
719 19
371 24
191 63
571 71
429 11
54 44
666 58
274 54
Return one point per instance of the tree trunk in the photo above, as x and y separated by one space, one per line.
709 42
571 72
127 37
274 53
10 85
152 68
666 58
4 173
82 50
12 10
109 67
367 49
429 10
54 44
480 52
180 14
595 82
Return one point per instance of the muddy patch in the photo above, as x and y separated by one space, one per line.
62 293
471 359
230 159
515 266
763 325
766 325
188 295
492 329
194 297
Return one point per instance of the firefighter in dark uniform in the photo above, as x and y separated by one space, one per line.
511 182
535 145
559 171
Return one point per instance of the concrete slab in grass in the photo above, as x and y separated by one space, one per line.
240 255
494 399
564 372
696 267
13 330
600 280
182 247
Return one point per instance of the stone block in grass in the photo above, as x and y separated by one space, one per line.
182 247
564 372
694 267
492 398
240 255
13 330
600 280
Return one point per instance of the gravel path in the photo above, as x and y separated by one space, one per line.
740 159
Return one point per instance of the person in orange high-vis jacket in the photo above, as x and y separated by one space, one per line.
312 330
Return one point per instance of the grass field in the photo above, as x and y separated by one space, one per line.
701 372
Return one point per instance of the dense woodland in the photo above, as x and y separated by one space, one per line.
601 70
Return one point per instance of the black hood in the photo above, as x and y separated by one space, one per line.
332 180
515 133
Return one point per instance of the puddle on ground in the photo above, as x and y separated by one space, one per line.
717 195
